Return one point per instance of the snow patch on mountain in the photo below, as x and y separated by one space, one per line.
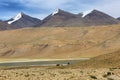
17 17
86 13
57 11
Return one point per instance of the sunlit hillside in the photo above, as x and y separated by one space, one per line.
59 42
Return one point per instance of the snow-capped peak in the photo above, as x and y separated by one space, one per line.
17 17
57 11
86 13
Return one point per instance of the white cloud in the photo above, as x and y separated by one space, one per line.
45 4
111 7
45 7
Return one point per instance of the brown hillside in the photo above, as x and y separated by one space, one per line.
111 60
60 42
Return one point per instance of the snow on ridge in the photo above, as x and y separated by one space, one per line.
17 17
57 11
86 13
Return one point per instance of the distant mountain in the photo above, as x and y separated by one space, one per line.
61 18
22 20
96 17
57 18
5 26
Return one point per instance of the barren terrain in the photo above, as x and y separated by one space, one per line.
111 60
60 42
100 43
60 74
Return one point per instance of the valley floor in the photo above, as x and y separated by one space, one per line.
59 74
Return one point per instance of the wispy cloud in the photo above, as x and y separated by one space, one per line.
45 4
42 8
110 6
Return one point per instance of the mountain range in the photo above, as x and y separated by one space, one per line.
63 35
63 18
60 18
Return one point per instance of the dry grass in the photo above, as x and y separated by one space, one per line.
111 60
59 74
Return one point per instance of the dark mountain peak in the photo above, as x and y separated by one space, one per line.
56 18
23 20
58 11
22 15
92 12
96 17
95 10
61 13
85 13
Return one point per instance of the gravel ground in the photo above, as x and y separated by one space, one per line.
59 74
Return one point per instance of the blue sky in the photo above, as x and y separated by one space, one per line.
42 8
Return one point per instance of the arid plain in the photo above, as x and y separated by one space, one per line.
100 43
